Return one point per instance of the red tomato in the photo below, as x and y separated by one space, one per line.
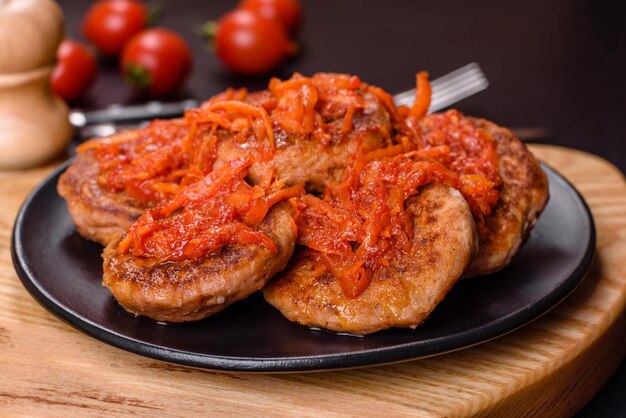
250 44
156 61
288 12
109 24
74 72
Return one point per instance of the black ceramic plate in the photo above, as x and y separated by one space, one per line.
63 271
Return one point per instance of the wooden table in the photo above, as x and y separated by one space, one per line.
550 367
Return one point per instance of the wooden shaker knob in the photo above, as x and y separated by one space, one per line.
34 125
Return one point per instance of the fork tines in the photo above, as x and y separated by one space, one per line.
450 88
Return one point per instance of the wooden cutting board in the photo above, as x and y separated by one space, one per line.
550 367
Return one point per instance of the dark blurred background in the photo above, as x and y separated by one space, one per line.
559 66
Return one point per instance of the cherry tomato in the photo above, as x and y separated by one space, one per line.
109 24
288 12
250 44
156 61
74 72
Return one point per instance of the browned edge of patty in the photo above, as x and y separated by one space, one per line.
523 197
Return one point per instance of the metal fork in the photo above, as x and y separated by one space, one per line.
450 88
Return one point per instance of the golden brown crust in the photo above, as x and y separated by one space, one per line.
192 290
523 196
401 295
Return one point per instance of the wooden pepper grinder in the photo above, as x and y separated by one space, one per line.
34 125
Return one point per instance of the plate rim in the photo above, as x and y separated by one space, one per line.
322 362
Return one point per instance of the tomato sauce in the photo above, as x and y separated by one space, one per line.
467 150
361 226
168 164
219 210
160 159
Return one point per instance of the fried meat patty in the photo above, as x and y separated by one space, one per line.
523 196
99 215
192 290
400 295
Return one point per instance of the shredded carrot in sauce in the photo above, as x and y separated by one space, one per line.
390 151
470 152
346 127
157 160
356 231
423 92
168 164
219 210
386 99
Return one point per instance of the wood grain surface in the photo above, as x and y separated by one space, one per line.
550 367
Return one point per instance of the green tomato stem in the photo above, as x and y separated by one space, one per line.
137 76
